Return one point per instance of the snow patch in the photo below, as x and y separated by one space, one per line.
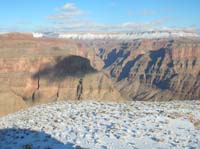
128 36
38 35
89 124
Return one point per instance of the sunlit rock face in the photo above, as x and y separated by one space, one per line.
155 69
42 70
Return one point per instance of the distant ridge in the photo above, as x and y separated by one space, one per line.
119 35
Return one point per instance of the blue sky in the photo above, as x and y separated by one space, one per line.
104 15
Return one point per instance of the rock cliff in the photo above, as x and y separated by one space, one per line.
42 70
156 69
34 71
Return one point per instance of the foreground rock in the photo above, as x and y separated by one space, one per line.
104 125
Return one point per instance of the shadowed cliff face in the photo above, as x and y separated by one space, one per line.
58 73
156 69
70 66
34 71
70 77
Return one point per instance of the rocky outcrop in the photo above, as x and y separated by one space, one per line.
156 69
42 70
34 71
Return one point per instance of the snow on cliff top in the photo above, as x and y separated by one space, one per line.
119 35
104 125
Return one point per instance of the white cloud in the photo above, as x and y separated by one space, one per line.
86 25
71 18
69 7
68 11
65 15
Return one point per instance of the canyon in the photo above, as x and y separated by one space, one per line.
43 69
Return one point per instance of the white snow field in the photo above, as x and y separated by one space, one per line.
102 125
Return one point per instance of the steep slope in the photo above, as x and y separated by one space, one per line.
34 71
157 69
41 70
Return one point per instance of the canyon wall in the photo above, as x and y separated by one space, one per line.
42 70
156 69
35 71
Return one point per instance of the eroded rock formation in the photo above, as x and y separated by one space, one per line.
159 69
42 70
34 71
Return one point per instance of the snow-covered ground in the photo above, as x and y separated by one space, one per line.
93 125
